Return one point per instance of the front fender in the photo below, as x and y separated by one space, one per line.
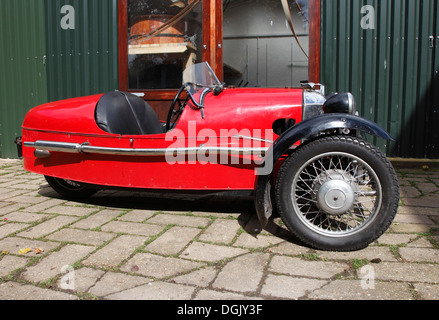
303 130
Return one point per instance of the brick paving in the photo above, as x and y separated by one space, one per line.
130 245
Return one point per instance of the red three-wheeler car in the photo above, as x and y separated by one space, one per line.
299 152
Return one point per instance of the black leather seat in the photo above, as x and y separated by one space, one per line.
126 114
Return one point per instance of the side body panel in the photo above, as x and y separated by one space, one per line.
238 118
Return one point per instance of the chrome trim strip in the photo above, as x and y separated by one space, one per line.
239 136
85 148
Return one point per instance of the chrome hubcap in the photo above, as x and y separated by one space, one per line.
335 192
335 197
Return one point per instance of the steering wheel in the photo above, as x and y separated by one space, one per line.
174 115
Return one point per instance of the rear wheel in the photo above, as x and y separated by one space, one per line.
337 193
70 189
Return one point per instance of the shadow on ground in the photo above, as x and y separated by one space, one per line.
232 202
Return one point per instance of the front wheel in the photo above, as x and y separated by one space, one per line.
337 193
70 189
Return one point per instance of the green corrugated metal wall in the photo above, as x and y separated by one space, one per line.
83 60
22 72
392 69
40 61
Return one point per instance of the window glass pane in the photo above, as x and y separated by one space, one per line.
260 49
164 36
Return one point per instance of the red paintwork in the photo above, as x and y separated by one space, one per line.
234 111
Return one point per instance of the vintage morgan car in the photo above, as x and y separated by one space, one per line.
299 153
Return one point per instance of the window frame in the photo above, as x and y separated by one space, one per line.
212 45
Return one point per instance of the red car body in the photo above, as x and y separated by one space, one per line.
230 118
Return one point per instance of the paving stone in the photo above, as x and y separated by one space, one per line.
418 211
71 211
411 228
200 278
411 272
18 291
96 220
415 219
43 205
395 238
14 244
80 280
432 202
10 263
157 266
113 282
27 199
357 290
207 294
420 243
173 240
47 227
12 207
222 215
53 264
221 231
155 291
209 252
138 215
10 228
369 253
188 221
427 187
287 287
300 267
419 254
25 217
11 194
409 191
427 291
25 185
81 236
260 241
243 274
202 255
141 229
288 248
115 252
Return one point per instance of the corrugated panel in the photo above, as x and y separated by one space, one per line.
392 69
83 60
22 72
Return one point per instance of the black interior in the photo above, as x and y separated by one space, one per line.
126 114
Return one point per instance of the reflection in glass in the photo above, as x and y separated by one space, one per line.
164 37
260 49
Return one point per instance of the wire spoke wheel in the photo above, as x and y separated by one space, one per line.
337 193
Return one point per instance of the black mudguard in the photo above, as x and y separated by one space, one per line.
303 130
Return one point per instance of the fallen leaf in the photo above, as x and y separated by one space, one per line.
38 250
24 251
5 252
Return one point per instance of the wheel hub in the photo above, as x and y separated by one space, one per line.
335 195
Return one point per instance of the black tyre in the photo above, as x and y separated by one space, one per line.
70 189
337 193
